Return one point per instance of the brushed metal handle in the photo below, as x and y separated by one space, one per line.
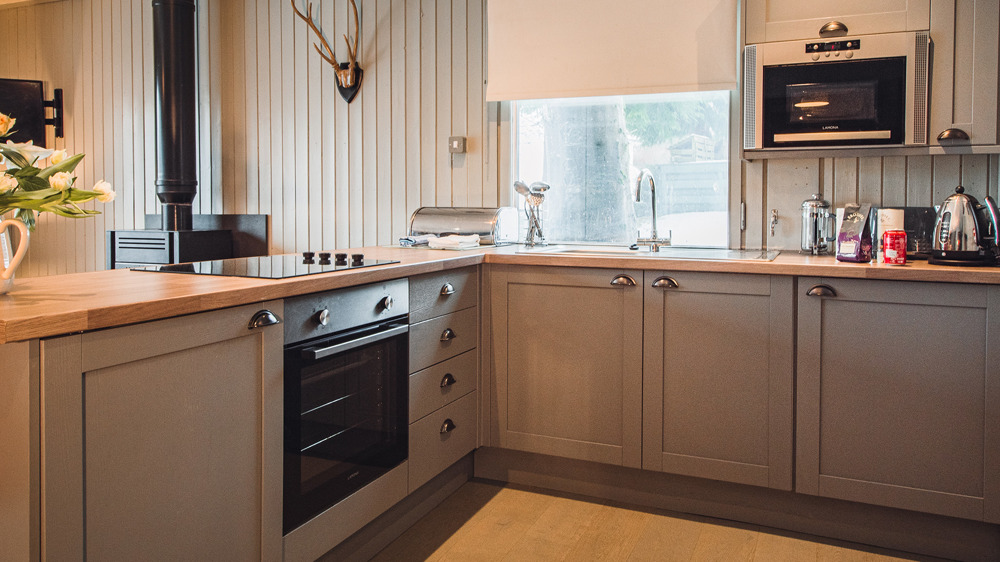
448 380
665 283
623 280
953 134
448 426
263 318
833 28
448 334
821 291
447 289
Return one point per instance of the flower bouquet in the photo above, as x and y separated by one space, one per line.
28 188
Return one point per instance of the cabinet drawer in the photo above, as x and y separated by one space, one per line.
435 294
435 444
433 388
433 341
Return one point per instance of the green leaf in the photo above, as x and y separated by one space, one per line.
26 172
15 157
34 183
67 165
27 217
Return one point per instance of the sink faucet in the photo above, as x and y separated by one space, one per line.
653 241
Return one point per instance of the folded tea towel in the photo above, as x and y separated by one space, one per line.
418 240
454 242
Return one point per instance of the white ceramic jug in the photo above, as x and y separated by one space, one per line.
7 274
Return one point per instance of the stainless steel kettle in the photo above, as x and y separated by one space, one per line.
966 231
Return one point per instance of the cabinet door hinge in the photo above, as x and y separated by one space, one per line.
743 216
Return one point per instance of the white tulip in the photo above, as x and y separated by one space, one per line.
104 188
6 124
7 183
61 181
57 157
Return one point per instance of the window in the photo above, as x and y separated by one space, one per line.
591 150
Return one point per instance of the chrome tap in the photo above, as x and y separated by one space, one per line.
653 241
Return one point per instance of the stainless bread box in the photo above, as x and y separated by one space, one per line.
494 225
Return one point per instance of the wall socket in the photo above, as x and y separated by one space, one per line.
456 145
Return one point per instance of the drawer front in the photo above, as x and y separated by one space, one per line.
441 384
432 341
435 444
435 294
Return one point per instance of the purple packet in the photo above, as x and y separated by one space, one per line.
855 237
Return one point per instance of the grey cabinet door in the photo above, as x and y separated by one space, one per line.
964 88
171 430
898 396
568 362
718 377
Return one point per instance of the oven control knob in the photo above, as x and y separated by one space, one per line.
386 303
849 54
815 56
323 317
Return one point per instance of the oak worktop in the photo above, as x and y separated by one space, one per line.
62 304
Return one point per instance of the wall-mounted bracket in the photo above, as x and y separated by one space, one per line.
56 103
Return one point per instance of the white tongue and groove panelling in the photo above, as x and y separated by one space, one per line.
275 136
919 181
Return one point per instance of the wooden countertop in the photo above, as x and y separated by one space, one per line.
63 304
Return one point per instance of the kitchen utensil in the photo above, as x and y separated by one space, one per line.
965 232
817 225
534 196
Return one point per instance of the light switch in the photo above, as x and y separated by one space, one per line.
456 145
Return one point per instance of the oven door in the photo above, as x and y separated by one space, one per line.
346 400
859 102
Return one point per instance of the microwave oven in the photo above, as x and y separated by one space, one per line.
868 90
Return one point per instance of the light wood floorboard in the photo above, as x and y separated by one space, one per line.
485 521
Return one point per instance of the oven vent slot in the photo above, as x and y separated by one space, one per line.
127 243
920 88
750 97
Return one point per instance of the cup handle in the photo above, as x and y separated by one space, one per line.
22 247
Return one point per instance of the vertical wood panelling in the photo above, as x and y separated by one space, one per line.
274 135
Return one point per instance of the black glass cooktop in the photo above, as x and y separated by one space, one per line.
280 266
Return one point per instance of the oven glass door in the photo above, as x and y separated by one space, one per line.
856 102
345 417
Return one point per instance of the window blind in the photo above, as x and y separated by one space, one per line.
540 49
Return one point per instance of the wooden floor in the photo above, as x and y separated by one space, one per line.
482 521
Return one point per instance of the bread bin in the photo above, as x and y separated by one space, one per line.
494 225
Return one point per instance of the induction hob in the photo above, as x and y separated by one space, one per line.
282 266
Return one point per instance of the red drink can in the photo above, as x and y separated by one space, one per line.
894 247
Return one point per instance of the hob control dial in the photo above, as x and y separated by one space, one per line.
323 317
386 303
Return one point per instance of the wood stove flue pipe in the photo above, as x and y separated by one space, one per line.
176 106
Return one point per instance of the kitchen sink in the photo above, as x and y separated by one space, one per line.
676 253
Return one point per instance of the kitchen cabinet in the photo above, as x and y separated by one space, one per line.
444 371
718 369
898 395
786 20
163 440
567 352
963 96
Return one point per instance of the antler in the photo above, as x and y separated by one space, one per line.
357 31
331 58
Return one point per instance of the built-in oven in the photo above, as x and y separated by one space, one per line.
346 397
849 91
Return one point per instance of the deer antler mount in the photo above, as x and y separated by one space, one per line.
349 74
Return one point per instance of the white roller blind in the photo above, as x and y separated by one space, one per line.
568 48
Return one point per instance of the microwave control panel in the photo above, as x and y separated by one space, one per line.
830 46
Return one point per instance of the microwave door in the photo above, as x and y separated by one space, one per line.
843 103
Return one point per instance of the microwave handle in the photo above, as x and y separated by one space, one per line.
316 353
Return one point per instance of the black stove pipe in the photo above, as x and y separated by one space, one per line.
176 107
